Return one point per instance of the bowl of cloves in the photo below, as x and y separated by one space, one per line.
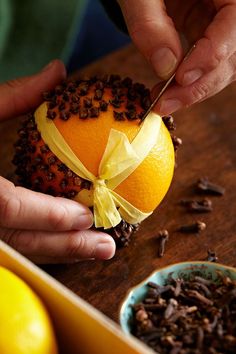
184 308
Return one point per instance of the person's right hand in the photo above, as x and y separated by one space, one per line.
157 27
46 229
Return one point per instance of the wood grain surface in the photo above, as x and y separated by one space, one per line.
208 131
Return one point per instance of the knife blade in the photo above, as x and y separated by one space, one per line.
167 84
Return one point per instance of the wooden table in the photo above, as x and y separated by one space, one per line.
208 131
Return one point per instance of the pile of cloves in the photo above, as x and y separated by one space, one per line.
189 315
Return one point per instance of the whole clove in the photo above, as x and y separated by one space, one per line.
198 296
198 206
196 227
205 186
211 256
170 309
169 122
122 233
118 115
177 142
163 237
196 319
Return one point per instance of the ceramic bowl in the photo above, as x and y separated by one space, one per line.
136 294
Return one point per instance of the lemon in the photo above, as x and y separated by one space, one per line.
25 326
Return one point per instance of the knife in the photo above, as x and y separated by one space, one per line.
167 84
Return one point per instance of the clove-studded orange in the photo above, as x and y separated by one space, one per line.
84 112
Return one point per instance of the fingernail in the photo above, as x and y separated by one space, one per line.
105 250
191 76
164 62
170 106
48 66
83 222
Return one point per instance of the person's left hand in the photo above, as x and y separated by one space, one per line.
45 229
20 95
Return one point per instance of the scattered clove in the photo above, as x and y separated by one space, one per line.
211 256
196 227
204 185
198 206
163 237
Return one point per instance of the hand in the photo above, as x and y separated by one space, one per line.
153 26
44 228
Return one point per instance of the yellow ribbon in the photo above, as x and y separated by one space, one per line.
119 160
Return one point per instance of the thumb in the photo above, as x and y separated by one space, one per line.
153 33
21 95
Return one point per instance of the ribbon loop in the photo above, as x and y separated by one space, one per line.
105 211
118 156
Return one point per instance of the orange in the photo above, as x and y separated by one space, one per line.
42 171
25 326
148 184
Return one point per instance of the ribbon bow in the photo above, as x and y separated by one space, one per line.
119 160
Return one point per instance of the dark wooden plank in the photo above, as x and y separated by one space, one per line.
208 131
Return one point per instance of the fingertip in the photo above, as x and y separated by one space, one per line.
58 66
166 105
55 69
81 214
85 221
189 77
169 106
106 247
164 62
